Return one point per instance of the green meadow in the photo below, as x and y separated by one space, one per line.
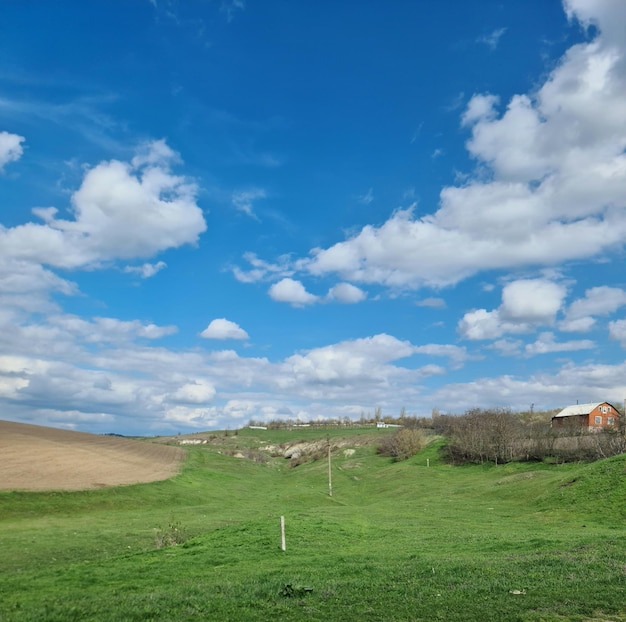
397 541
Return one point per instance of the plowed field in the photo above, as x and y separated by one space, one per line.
39 458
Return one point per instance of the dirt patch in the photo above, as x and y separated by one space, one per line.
39 458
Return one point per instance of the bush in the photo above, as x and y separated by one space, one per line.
402 444
484 435
499 436
172 535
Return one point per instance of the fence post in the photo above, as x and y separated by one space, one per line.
283 544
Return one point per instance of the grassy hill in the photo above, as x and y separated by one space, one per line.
396 541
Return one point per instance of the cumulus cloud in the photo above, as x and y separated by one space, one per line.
263 270
121 211
617 331
166 389
198 392
526 304
602 300
546 343
457 355
608 15
480 108
221 328
350 361
434 303
534 301
106 329
10 148
291 291
550 185
346 293
507 347
587 383
25 285
56 376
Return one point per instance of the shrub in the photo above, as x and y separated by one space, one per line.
402 444
499 436
484 435
172 535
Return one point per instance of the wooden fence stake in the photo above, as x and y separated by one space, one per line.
283 544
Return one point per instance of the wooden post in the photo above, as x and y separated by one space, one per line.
283 544
330 477
427 462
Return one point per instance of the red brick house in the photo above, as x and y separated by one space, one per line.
595 417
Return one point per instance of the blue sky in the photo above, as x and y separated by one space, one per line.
217 211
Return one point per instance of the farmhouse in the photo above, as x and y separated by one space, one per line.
595 416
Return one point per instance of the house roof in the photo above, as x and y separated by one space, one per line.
578 409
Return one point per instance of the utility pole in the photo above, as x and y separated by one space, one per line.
330 476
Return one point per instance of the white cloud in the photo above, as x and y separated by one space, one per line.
598 301
434 303
586 383
507 347
526 304
146 270
243 200
493 38
60 379
533 301
608 15
617 331
27 285
263 270
547 343
349 362
482 324
550 184
106 329
230 8
221 328
367 198
120 211
602 300
197 392
457 355
165 388
346 293
577 325
291 291
480 108
155 153
242 409
10 148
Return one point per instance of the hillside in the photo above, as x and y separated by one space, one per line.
417 540
41 458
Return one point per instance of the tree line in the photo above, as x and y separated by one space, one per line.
480 435
500 436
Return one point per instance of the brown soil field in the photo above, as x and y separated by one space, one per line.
38 458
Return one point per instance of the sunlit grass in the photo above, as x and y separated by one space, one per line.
396 541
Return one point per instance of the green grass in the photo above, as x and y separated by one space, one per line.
397 541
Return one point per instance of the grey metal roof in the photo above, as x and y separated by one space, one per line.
578 409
